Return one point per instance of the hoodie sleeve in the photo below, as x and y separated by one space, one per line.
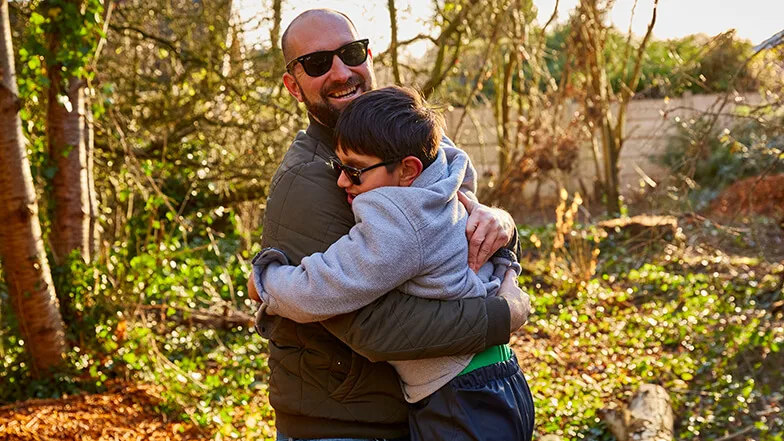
380 253
469 180
469 189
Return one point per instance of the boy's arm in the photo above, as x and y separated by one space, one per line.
488 229
380 252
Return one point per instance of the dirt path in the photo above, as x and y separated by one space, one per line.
124 412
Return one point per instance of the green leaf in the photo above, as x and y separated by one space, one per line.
37 19
129 358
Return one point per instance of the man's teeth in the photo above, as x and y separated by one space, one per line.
343 93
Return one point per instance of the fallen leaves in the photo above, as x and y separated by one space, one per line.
124 412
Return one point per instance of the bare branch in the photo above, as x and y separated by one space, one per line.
227 319
169 44
106 20
438 74
635 80
624 65
415 39
552 17
480 76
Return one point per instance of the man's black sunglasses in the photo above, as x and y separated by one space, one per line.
354 173
318 63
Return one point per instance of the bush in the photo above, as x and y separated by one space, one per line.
710 159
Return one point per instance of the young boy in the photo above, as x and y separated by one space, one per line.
409 234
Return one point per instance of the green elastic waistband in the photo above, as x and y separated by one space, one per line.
492 355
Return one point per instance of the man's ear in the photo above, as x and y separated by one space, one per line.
410 169
291 85
369 61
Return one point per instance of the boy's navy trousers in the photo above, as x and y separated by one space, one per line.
490 403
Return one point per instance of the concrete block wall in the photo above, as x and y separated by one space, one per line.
649 124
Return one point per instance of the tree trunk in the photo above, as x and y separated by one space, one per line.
504 143
89 142
65 132
393 43
442 66
276 20
594 36
610 151
278 64
234 48
21 246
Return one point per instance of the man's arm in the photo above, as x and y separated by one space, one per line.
402 327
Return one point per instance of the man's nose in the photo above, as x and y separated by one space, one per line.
339 72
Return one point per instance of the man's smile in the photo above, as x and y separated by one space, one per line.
345 92
342 94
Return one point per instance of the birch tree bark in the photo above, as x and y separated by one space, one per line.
67 150
94 235
21 246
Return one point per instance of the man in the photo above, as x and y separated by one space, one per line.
323 384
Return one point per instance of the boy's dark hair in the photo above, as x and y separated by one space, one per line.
391 123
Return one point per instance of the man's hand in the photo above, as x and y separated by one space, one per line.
519 302
487 230
252 293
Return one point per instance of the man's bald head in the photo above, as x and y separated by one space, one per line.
326 94
307 17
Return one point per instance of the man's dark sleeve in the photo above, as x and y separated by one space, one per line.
403 327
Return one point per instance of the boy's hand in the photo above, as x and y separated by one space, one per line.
487 230
519 302
252 293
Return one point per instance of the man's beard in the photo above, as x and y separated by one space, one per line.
326 113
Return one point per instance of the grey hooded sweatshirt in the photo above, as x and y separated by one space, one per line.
411 238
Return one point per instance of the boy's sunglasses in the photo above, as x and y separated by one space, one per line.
318 63
353 173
